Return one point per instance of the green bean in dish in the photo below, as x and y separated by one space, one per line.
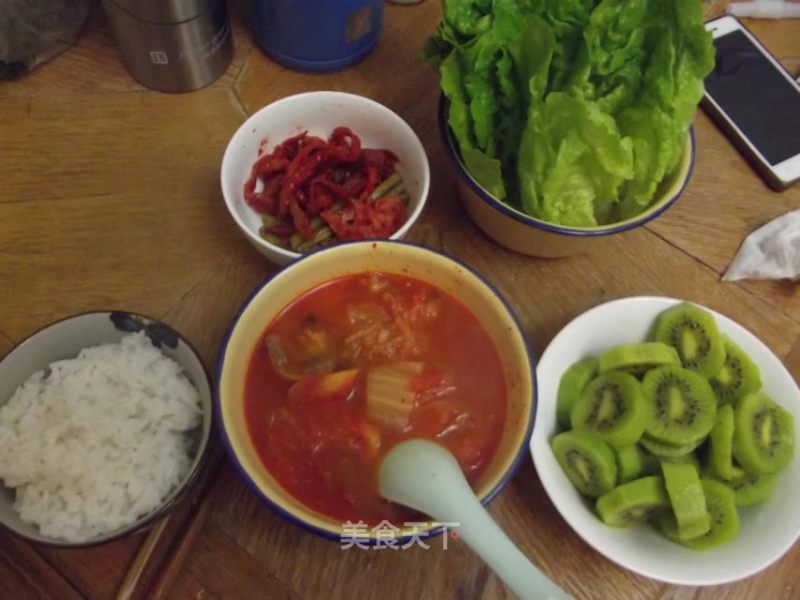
311 192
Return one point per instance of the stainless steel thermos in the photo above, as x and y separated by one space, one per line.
172 45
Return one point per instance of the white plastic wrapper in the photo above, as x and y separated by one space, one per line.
770 252
32 31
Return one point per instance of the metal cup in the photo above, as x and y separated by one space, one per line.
172 45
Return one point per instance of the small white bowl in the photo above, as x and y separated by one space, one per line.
320 113
767 530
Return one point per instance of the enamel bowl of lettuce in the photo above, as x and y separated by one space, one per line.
569 120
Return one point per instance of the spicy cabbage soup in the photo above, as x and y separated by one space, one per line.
358 364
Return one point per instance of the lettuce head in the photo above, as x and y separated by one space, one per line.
573 111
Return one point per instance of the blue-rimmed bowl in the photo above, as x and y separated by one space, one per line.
348 259
523 233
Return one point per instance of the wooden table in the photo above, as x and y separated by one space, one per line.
109 197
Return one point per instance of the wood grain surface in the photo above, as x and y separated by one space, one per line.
109 198
5 344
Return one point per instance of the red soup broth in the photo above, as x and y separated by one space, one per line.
355 366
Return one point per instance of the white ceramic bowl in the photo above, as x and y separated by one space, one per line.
320 113
767 530
65 339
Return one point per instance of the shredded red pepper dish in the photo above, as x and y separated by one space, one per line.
310 192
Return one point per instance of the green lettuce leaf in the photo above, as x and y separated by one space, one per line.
452 77
572 161
487 171
651 131
488 84
614 41
575 111
466 19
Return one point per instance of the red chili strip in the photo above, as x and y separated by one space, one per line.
305 176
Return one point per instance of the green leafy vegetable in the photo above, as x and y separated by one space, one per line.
572 160
574 111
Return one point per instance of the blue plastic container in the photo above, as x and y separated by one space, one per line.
317 35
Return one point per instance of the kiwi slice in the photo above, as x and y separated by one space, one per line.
763 437
587 460
637 358
633 502
572 383
689 459
687 499
694 334
720 443
667 525
612 406
738 376
662 450
724 518
630 463
721 507
682 404
651 465
749 489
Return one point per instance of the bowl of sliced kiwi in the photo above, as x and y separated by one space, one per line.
665 436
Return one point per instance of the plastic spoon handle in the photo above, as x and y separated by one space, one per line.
425 476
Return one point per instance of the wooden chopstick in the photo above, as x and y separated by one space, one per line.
188 520
173 564
129 585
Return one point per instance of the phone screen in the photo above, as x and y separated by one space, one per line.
756 97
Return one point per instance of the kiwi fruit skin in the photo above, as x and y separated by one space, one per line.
685 493
738 376
682 403
637 358
588 462
572 383
760 422
612 406
693 333
633 502
720 443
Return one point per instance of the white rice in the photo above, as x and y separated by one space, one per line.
99 441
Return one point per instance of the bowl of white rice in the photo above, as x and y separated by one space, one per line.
105 421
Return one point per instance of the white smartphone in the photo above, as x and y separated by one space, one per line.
755 101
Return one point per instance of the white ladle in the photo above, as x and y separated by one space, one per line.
425 476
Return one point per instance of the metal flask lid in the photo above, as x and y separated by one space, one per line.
163 11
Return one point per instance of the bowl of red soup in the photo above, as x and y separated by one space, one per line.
353 349
319 168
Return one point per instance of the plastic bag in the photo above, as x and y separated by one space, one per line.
32 31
